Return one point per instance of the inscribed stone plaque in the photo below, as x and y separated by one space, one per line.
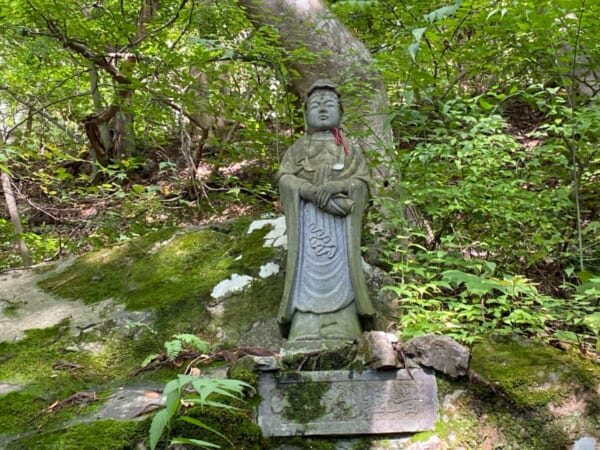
347 402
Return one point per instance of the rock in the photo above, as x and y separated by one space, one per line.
377 349
263 334
129 403
441 353
255 364
450 405
433 443
585 443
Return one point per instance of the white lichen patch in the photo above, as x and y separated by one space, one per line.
233 284
274 238
268 269
158 245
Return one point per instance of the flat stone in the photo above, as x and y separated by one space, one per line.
315 345
347 402
130 403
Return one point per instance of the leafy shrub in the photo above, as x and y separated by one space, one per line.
206 393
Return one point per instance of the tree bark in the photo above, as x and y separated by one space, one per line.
15 218
340 56
101 142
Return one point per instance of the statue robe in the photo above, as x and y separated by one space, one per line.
323 271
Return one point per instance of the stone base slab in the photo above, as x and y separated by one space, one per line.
347 402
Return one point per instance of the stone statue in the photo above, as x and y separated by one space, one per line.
323 183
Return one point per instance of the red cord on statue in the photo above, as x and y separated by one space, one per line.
339 139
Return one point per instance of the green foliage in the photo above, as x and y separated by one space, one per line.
207 392
442 292
178 344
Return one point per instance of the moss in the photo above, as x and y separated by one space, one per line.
150 271
171 272
19 409
35 363
98 435
234 424
174 272
363 444
245 375
12 309
335 359
529 373
521 378
303 396
306 443
240 311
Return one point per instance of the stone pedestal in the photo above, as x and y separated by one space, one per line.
347 402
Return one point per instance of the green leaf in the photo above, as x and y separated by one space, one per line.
418 33
149 359
201 424
412 50
485 104
194 442
193 341
159 423
442 12
592 321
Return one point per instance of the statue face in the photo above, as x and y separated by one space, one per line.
322 111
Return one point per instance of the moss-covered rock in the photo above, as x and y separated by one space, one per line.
171 274
530 374
510 399
235 424
99 435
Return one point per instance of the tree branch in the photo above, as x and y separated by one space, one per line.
40 111
82 49
144 35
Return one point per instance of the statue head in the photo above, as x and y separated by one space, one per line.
322 108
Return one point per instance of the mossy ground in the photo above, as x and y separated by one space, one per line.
49 373
99 435
171 273
531 374
505 403
237 425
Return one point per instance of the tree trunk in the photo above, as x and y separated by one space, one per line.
101 143
341 57
15 218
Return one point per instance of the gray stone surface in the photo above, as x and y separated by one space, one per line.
24 306
441 353
347 402
5 388
129 403
378 350
585 443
